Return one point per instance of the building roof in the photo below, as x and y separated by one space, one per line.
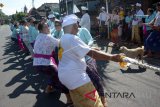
49 6
35 13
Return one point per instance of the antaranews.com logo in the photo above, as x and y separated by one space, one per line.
126 95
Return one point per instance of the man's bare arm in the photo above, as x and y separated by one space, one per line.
99 55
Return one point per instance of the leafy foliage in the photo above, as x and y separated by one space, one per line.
19 16
3 17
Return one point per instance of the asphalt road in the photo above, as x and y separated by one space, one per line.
21 86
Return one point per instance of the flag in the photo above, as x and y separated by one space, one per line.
75 9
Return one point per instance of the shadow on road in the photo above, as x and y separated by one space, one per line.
157 73
27 77
130 70
102 66
102 43
52 100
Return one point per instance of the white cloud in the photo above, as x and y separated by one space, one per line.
9 11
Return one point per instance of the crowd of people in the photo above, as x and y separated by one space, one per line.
132 26
62 49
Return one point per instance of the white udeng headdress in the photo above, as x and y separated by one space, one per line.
69 20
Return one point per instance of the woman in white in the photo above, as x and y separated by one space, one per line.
44 53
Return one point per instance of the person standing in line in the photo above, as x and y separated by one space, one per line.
51 22
35 32
15 32
44 62
147 29
128 27
136 24
85 20
153 40
25 37
72 65
58 30
31 30
103 17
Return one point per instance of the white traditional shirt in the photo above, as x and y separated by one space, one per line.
140 13
72 65
45 44
85 21
157 20
103 16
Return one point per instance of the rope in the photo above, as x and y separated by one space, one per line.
135 62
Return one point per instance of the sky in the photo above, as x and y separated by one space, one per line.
10 6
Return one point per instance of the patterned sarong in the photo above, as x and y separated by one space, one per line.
86 96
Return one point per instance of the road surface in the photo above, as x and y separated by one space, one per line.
21 86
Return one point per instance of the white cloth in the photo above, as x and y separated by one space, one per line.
70 19
157 20
138 4
138 19
75 9
84 8
85 21
72 65
45 44
103 16
25 37
135 22
107 20
139 13
51 16
103 8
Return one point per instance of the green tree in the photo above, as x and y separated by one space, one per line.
19 16
3 17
